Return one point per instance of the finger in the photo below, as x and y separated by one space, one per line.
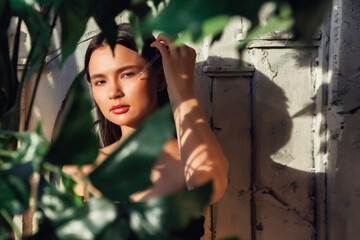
167 39
162 48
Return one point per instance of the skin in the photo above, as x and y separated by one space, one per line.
192 159
116 82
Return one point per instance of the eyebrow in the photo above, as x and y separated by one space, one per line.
99 75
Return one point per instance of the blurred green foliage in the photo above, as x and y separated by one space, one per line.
61 214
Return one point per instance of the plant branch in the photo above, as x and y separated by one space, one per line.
23 75
9 220
29 214
27 121
59 54
13 114
15 54
6 153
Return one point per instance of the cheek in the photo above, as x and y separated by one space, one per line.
143 89
99 98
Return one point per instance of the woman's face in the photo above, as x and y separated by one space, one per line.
124 98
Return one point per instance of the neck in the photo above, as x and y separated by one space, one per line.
126 131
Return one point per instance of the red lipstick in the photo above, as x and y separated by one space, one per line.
119 109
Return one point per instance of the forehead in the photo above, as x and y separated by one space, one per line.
103 59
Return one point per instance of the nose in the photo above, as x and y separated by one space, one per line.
115 90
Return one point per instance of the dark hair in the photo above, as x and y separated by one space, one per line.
110 132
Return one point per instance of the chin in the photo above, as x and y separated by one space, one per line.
130 122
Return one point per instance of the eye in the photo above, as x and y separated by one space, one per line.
127 75
99 82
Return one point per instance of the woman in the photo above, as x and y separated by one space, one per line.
126 90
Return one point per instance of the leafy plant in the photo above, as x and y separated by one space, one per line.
25 155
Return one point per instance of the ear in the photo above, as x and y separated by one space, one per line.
161 81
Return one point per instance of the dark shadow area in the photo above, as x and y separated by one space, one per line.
280 196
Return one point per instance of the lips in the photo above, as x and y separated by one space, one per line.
119 109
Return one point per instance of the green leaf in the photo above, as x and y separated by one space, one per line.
210 27
54 203
190 15
7 84
283 21
54 3
118 230
215 25
7 144
71 221
308 16
74 15
79 12
39 30
129 166
69 187
193 18
140 8
9 220
22 171
4 234
157 217
33 147
104 13
15 188
87 222
14 196
134 22
76 142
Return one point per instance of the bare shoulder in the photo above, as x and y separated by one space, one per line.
102 155
105 152
167 175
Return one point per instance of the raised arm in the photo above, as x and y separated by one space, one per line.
201 155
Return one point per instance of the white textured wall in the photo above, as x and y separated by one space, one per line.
264 117
343 195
